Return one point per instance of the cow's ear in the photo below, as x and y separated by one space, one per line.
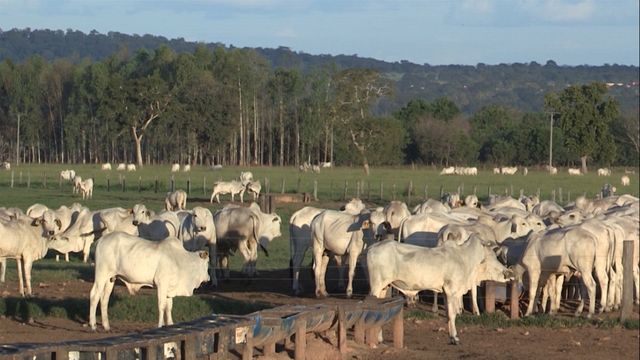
387 226
366 224
204 254
148 213
36 222
59 223
130 211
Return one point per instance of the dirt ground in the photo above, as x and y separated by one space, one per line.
424 339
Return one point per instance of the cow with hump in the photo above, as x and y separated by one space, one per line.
137 262
244 229
451 268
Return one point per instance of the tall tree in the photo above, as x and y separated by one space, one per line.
585 113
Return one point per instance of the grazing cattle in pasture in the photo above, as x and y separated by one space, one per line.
340 234
604 172
315 169
625 181
77 180
5 165
176 200
326 164
449 269
86 188
216 167
121 167
155 226
67 175
26 240
300 235
186 168
573 171
105 166
254 188
244 229
175 167
448 170
131 167
232 187
137 262
496 171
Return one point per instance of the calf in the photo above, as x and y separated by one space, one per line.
176 200
228 187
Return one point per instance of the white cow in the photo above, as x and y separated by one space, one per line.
553 170
67 217
325 164
109 220
131 167
449 269
509 170
525 171
67 175
186 168
86 188
106 166
78 237
625 181
197 231
300 235
176 200
76 184
394 213
315 169
166 265
175 167
448 170
422 229
244 229
26 240
254 188
496 171
121 167
563 251
232 187
574 171
5 165
155 226
340 234
604 172
246 177
431 205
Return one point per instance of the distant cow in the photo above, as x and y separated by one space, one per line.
131 167
448 171
121 167
246 177
604 172
625 180
325 164
176 200
106 166
175 167
186 168
67 175
232 187
86 188
573 171
254 188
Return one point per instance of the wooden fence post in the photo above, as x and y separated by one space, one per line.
301 339
627 280
441 191
282 190
381 189
560 194
538 193
358 189
553 195
368 190
108 184
139 183
298 185
331 191
342 331
204 185
28 179
426 192
410 188
398 330
475 190
267 185
124 186
155 189
12 180
514 299
189 185
393 192
44 180
488 191
511 189
344 195
173 184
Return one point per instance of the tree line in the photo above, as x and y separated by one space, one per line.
231 106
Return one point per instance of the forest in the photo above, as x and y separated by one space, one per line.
91 98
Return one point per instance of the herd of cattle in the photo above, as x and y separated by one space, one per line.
446 246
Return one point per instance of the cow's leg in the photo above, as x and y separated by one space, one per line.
232 196
452 311
533 292
94 298
162 305
320 262
27 263
242 196
353 259
104 303
20 277
167 310
247 255
57 257
66 257
474 300
548 294
86 250
636 279
434 306
224 265
590 287
3 269
603 281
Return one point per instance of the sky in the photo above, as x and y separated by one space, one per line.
436 32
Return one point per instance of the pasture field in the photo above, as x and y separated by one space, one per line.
61 289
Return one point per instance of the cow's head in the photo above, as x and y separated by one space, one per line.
471 201
519 226
140 214
270 229
491 269
570 218
49 222
353 207
375 224
202 219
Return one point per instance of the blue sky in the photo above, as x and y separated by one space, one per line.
570 32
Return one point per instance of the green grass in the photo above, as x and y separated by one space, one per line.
500 320
142 308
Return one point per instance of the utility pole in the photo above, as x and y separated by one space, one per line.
551 113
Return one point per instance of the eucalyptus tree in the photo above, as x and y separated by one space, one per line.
355 92
585 113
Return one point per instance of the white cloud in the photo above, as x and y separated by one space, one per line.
560 10
479 7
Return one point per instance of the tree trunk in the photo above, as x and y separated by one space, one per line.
18 142
138 141
281 120
242 156
583 159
